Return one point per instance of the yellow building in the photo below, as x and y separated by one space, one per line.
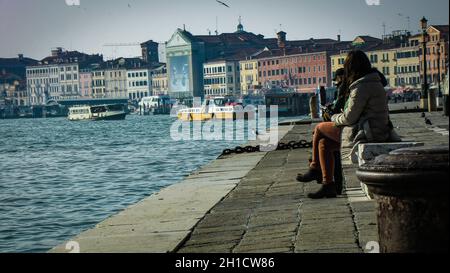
337 61
384 59
398 62
249 76
407 63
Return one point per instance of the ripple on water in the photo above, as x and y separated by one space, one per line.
60 178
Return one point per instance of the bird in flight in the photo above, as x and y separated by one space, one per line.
222 3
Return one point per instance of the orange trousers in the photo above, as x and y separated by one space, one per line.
326 141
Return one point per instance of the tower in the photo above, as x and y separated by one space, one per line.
240 27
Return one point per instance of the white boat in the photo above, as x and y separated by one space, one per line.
215 108
99 112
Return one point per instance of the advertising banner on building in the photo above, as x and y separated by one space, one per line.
179 74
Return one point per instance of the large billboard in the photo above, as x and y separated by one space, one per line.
179 74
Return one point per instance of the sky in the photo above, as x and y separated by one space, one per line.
33 27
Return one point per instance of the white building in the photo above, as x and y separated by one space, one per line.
116 83
138 83
43 84
57 77
69 81
221 78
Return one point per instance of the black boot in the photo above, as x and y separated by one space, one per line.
327 191
310 176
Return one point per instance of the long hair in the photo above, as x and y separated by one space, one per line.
356 66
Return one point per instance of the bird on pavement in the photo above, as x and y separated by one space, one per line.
423 115
428 122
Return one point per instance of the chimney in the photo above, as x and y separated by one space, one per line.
56 52
281 39
339 38
20 57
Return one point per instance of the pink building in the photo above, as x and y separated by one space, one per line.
85 84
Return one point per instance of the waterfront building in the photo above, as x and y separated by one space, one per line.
159 81
16 66
221 78
57 77
185 58
116 83
12 90
150 53
138 83
384 55
43 84
303 68
407 67
86 83
13 80
98 83
249 75
437 35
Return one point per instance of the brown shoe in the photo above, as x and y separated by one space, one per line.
310 176
327 191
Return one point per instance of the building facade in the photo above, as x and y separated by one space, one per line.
86 83
138 83
116 83
185 58
69 81
304 72
57 77
98 83
437 53
159 81
407 67
249 76
221 78
43 84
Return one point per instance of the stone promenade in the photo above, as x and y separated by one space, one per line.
251 203
268 211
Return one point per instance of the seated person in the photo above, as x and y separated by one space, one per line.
365 119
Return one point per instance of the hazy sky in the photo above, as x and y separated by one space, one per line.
33 27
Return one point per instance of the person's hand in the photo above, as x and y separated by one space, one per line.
326 117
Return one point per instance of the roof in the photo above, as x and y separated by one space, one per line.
16 62
368 39
440 28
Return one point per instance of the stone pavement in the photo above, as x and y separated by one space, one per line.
268 211
252 203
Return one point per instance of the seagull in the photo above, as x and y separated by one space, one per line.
129 5
222 3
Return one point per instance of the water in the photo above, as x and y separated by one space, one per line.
59 178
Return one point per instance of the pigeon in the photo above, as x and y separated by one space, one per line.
222 3
423 115
428 122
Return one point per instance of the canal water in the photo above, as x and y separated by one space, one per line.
59 178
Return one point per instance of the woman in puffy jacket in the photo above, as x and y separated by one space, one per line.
365 119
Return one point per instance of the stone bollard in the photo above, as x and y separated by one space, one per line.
313 107
411 189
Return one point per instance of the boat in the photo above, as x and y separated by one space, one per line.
220 108
98 112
